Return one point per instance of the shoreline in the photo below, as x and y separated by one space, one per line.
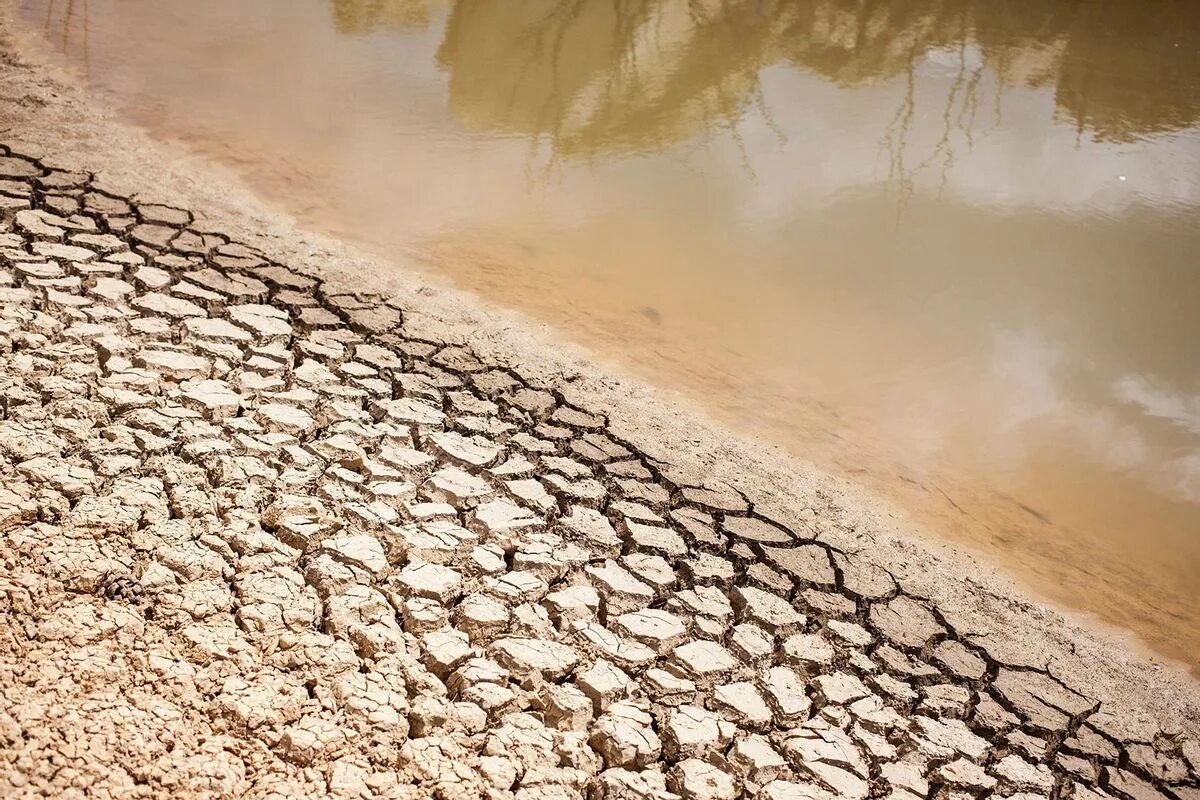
55 121
1052 559
1037 501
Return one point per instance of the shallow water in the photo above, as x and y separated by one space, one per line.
950 248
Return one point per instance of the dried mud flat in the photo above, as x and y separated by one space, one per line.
264 537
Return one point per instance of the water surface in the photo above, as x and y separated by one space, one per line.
950 248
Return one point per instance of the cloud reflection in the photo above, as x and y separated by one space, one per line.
1042 386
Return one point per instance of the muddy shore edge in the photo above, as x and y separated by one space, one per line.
1028 700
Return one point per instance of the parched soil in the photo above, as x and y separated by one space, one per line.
260 539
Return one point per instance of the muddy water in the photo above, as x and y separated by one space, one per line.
950 248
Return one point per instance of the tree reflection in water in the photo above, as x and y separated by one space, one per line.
594 78
370 16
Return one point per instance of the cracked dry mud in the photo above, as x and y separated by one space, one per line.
257 540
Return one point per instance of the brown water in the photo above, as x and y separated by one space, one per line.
948 247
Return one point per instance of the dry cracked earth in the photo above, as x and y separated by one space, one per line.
257 540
